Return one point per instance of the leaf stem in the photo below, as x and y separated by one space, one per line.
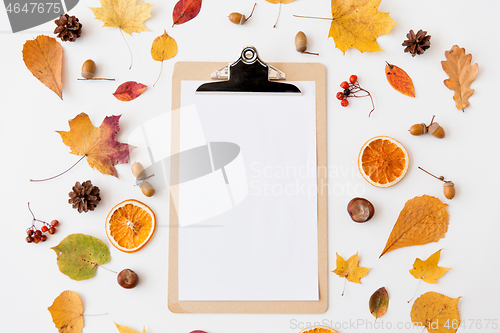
108 269
34 219
161 67
95 315
440 178
95 78
415 294
131 58
312 53
62 173
345 282
279 13
314 17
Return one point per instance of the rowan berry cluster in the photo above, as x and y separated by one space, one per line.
351 89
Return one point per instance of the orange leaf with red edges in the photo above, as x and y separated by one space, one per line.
186 10
129 90
399 80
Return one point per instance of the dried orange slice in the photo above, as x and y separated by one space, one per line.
130 225
383 161
318 329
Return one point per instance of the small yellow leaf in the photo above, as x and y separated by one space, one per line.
428 270
436 312
67 312
349 269
123 14
357 24
164 47
125 329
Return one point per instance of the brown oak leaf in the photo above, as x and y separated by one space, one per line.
462 74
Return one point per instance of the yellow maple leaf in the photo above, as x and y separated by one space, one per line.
350 269
123 14
125 329
67 312
357 24
428 270
436 312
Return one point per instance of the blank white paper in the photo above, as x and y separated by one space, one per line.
264 246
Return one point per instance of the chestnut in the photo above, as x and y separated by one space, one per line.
127 278
360 210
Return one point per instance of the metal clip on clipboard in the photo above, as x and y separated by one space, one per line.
249 74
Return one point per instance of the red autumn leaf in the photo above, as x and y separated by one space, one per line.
399 80
186 10
129 90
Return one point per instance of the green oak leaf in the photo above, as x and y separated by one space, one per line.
78 256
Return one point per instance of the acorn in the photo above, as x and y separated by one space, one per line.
418 129
301 43
240 19
448 186
360 210
147 189
436 130
88 69
449 190
138 171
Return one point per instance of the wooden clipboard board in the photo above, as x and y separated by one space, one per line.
295 72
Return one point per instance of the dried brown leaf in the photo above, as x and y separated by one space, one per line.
462 74
423 220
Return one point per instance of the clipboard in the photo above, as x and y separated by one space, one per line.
201 71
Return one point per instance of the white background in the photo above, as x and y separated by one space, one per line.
468 156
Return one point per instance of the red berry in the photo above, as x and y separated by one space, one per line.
344 102
29 239
340 95
344 85
54 223
43 238
30 232
52 230
38 233
37 239
44 228
353 79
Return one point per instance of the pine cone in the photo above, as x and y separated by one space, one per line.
68 28
84 197
417 43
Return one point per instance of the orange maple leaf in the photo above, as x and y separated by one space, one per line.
98 144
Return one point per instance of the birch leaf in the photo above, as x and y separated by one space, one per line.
436 312
164 48
67 312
